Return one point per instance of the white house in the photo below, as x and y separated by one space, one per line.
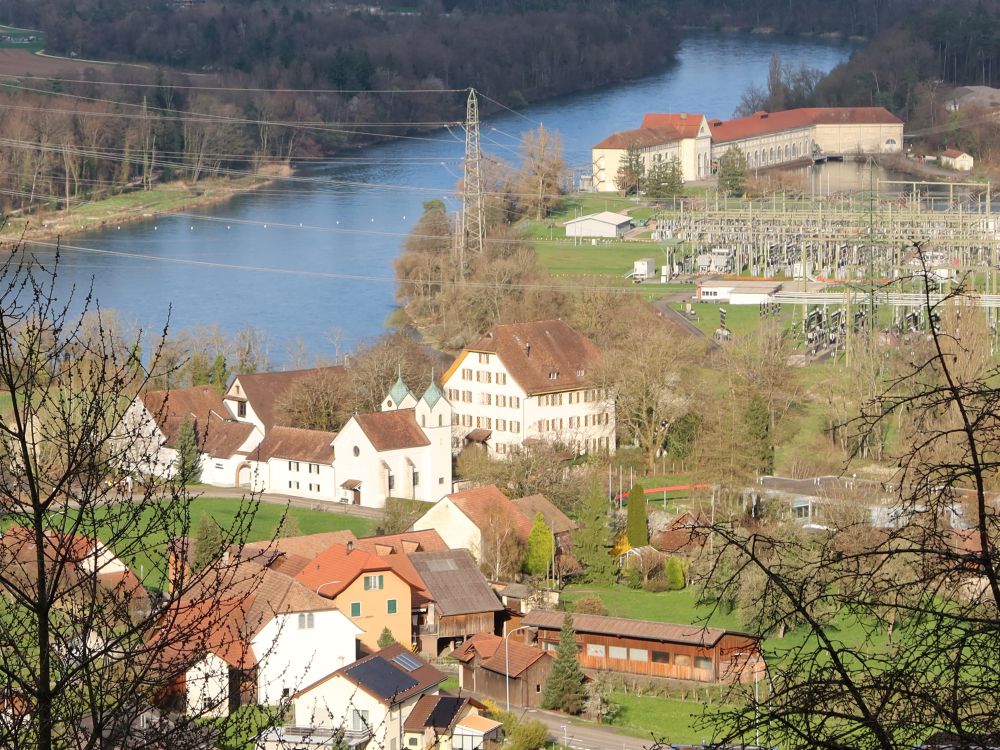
952 158
371 699
159 415
737 292
462 518
271 637
531 381
603 224
292 461
403 451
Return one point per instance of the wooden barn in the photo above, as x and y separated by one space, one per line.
656 649
484 670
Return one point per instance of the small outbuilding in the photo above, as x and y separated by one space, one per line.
603 224
737 292
952 158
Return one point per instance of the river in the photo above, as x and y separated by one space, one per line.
309 260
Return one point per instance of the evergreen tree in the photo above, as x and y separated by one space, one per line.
564 690
674 575
187 465
631 171
541 548
386 638
665 180
733 172
593 539
218 376
757 423
636 525
208 542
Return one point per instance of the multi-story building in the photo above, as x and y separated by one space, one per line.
530 381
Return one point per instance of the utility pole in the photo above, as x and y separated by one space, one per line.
473 209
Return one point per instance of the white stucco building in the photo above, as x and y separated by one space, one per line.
737 292
952 158
605 224
531 381
403 451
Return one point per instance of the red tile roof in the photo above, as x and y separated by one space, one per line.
263 390
218 433
483 645
555 519
482 504
392 430
626 628
334 569
684 123
640 137
427 540
763 123
494 654
313 446
546 356
952 153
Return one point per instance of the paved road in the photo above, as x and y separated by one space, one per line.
585 736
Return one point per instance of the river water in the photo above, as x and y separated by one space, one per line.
309 259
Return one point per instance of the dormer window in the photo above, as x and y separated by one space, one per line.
554 374
579 373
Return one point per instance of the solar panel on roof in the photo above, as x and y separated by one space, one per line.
379 675
444 711
407 662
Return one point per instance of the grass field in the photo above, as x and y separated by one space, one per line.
612 260
740 319
12 37
150 563
673 721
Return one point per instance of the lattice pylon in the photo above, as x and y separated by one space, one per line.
473 209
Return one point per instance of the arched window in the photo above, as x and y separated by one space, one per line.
795 150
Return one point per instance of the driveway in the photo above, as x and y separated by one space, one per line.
585 736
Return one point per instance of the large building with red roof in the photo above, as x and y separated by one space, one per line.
768 139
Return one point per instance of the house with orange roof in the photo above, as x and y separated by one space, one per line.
374 592
469 517
402 451
370 699
661 138
531 381
270 636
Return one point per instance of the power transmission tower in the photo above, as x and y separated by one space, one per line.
473 210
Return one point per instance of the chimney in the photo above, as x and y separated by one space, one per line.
350 547
527 348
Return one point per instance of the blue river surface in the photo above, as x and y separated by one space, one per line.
310 258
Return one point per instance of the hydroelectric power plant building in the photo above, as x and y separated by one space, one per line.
767 139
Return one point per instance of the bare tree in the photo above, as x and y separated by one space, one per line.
501 550
901 638
89 656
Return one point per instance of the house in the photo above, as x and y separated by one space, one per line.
682 535
292 461
952 158
604 224
562 526
403 451
254 398
432 723
661 138
460 601
469 517
476 732
270 635
491 665
374 592
655 649
737 292
531 381
371 699
223 441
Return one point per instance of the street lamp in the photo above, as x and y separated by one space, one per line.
506 670
565 736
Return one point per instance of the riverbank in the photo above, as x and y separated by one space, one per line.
132 206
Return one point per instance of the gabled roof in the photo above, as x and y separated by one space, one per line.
478 724
953 153
495 654
263 390
620 626
603 217
217 432
545 356
640 137
685 124
290 555
404 543
385 676
392 430
454 582
312 446
763 123
334 569
555 519
437 712
481 504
